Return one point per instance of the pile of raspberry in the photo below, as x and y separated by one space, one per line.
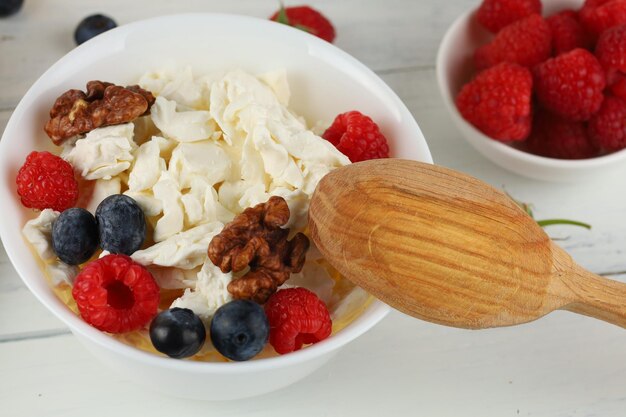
554 86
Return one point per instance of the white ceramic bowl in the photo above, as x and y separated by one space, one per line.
455 68
324 81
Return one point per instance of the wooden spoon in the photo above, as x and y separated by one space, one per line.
447 248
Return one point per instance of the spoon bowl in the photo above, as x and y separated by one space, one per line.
447 248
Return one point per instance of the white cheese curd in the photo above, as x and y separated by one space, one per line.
277 81
101 190
185 250
355 298
211 147
199 159
253 195
183 126
103 153
59 272
277 149
209 294
194 211
144 129
173 278
150 205
38 233
314 277
211 206
167 191
147 167
166 146
178 86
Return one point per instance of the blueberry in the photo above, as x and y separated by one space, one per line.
9 7
121 224
75 236
92 26
239 330
177 332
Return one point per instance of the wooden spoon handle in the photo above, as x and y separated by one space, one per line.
594 296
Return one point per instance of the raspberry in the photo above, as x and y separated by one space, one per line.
116 295
608 127
567 32
498 102
571 84
496 14
600 15
526 42
357 136
307 19
618 86
46 181
296 317
557 138
611 49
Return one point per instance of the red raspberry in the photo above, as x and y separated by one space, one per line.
618 85
307 19
296 317
496 14
571 84
567 32
611 49
599 15
526 42
46 181
357 136
608 127
116 295
557 138
498 102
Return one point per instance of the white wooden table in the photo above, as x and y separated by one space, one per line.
563 365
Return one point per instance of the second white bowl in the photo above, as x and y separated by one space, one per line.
455 67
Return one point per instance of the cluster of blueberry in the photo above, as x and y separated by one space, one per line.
118 227
239 331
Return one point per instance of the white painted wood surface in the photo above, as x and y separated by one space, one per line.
561 366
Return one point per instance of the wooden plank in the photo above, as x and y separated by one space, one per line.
384 35
22 314
561 366
4 118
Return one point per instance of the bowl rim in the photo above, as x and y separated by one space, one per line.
375 312
446 45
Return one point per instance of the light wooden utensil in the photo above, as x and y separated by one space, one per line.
447 248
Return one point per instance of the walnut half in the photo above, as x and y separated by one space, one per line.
76 112
255 239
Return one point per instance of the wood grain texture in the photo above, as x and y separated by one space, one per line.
447 248
595 296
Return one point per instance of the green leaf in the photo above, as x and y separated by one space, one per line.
524 206
306 29
284 19
282 15
552 222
